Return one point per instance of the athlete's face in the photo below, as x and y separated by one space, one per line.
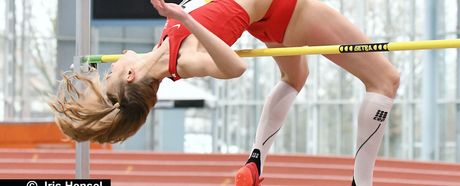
121 71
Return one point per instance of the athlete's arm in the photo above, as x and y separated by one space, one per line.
200 64
228 63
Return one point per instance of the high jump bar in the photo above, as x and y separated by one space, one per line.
326 49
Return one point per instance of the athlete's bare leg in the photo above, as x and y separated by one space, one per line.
315 23
294 72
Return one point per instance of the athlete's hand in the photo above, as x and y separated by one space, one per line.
170 10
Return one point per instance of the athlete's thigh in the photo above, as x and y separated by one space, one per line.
334 28
294 69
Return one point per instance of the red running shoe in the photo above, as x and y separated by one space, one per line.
248 175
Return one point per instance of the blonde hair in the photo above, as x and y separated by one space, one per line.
83 111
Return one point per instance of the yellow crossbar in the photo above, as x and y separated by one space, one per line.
328 49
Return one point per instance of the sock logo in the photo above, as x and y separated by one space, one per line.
255 157
380 116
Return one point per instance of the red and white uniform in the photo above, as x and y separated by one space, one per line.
227 20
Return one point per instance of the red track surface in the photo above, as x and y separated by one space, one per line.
177 169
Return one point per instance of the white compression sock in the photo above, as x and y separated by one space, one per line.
372 121
274 113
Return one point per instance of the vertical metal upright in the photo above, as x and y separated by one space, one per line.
82 47
9 73
457 120
430 128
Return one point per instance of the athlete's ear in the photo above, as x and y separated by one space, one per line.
131 76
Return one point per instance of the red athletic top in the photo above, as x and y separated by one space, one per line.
228 20
232 22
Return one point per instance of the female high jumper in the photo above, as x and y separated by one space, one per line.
195 43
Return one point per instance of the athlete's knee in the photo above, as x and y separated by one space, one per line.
296 80
395 80
392 82
387 85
